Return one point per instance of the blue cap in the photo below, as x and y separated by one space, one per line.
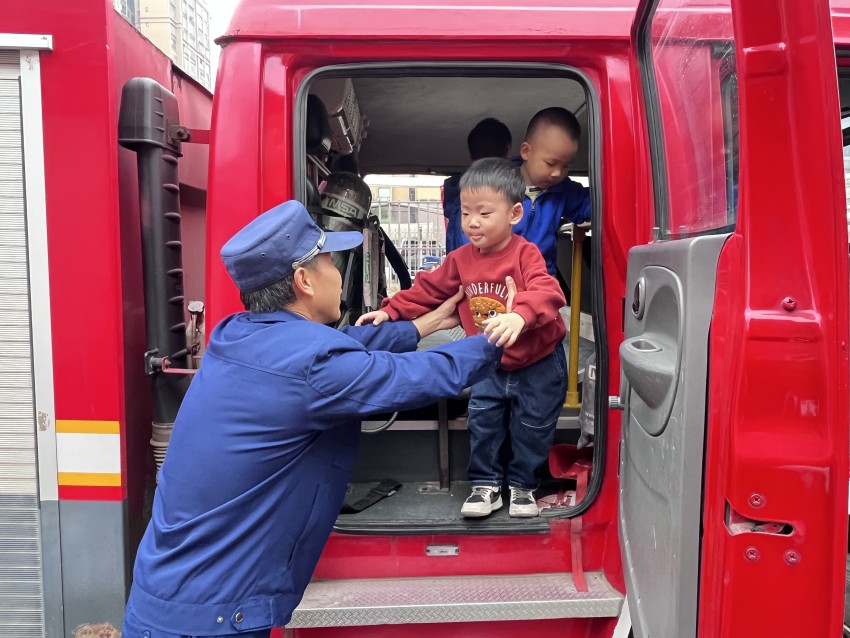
276 243
430 260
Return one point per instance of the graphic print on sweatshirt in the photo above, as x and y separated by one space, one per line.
486 300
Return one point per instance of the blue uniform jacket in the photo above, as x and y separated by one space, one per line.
565 202
260 456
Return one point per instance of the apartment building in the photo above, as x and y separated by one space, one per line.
180 28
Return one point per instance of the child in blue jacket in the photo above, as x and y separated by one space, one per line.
552 199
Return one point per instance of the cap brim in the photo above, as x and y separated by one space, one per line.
341 240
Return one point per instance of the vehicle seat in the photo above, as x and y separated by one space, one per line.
318 141
318 127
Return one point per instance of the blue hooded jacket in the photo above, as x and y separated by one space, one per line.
565 202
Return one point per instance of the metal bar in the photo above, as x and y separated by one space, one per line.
581 469
575 319
198 136
443 441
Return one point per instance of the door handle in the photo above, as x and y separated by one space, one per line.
649 368
616 403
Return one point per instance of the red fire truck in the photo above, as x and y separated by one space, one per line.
713 501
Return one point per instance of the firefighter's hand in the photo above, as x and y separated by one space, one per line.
444 317
510 284
376 317
504 329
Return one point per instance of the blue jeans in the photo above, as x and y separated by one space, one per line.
524 402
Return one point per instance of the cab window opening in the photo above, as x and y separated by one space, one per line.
376 117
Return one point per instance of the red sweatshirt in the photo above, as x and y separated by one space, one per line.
538 299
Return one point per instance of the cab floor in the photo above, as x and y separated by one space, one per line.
421 507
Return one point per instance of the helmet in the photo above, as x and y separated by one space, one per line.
348 195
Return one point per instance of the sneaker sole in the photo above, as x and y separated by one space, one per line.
468 512
516 512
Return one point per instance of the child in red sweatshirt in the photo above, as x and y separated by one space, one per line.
524 395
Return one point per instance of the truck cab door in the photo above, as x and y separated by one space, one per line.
734 366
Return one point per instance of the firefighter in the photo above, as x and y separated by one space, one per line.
266 436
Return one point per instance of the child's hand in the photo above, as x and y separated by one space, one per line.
504 329
376 317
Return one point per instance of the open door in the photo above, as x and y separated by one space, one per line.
734 367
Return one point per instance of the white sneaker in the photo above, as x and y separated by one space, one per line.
483 500
523 504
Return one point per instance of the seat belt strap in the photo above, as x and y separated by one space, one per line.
385 488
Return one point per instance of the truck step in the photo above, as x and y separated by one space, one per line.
390 601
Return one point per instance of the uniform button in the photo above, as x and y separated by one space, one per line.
220 619
146 634
238 617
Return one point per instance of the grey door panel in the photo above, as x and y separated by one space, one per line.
664 359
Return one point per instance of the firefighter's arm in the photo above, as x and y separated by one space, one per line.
350 382
429 291
399 336
443 318
376 318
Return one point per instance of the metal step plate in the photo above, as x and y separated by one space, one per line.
396 601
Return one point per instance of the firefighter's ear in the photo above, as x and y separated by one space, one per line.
302 283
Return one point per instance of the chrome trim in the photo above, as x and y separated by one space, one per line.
312 252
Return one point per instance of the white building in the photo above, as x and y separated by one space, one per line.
180 28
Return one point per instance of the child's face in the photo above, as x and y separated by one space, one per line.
547 156
488 218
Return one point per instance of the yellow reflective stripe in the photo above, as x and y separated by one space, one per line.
88 427
90 478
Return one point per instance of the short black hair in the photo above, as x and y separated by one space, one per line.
276 296
495 173
489 138
555 116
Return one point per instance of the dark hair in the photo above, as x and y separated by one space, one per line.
555 116
489 138
498 174
276 296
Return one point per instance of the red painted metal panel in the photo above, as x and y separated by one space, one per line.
429 19
566 628
91 493
607 65
93 221
234 192
133 55
251 161
80 138
778 397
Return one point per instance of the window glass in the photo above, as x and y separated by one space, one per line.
845 133
688 64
